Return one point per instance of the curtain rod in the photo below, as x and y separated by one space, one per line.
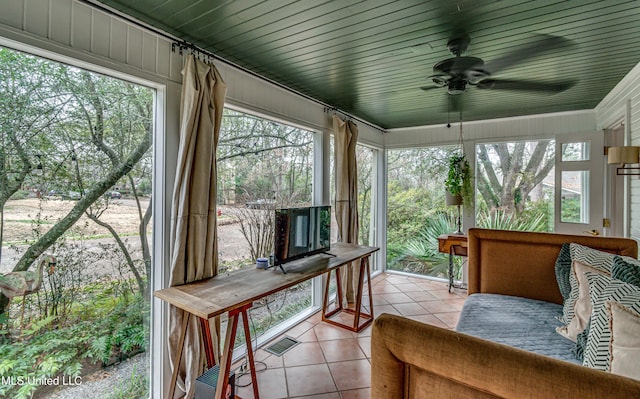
183 45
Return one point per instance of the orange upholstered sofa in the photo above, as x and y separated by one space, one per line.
415 360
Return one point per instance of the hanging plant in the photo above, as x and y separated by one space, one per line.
458 180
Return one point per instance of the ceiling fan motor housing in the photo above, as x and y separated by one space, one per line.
457 72
457 86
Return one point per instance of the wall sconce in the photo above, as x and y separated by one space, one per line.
623 156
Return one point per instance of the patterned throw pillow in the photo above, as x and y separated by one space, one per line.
582 308
625 340
599 260
601 290
563 270
581 342
626 269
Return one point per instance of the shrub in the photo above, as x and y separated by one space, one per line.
20 194
114 329
420 254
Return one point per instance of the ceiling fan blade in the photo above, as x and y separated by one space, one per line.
427 88
525 85
543 44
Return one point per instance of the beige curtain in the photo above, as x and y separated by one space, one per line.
346 206
193 218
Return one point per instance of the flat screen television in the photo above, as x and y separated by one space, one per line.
301 232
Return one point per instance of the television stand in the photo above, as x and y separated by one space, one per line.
211 297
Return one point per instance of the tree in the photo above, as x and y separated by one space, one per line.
28 108
508 172
94 104
364 157
82 131
261 159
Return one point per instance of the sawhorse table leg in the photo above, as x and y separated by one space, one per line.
223 376
176 367
227 354
357 326
208 340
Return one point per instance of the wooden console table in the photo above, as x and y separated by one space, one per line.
235 292
452 244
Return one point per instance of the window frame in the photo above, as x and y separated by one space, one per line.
158 312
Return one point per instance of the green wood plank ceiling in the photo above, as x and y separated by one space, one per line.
370 58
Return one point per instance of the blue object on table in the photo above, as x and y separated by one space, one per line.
262 263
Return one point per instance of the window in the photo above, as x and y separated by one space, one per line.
514 184
74 215
575 151
262 165
366 160
574 196
574 206
579 180
416 210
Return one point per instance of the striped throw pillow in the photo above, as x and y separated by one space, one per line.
599 260
602 289
563 271
626 269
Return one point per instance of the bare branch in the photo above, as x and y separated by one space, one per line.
259 151
123 248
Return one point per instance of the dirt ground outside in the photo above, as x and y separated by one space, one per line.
25 219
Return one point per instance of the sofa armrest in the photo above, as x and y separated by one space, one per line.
523 263
412 359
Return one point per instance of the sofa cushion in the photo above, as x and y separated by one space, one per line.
518 322
582 307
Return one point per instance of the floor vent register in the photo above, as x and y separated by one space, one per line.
281 346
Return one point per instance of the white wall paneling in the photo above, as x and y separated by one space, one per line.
623 103
518 128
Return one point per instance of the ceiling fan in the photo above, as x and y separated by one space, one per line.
460 72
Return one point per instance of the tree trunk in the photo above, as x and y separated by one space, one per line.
518 180
123 248
74 214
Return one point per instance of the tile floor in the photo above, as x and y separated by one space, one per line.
333 363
